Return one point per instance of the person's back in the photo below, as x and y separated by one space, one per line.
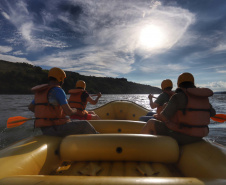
79 98
187 114
51 108
160 101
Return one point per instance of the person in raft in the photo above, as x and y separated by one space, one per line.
186 116
79 98
52 109
163 98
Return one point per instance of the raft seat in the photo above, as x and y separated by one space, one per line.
118 155
121 110
119 147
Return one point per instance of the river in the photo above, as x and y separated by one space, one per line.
16 105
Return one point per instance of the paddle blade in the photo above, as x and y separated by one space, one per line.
16 121
221 118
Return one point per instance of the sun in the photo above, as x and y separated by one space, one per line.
152 36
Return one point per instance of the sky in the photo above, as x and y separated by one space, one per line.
144 41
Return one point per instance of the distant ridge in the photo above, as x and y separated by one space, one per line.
19 78
222 92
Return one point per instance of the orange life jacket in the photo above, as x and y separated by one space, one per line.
75 101
47 114
194 119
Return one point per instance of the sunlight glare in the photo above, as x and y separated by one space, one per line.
152 36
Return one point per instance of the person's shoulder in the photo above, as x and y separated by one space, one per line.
179 96
57 88
58 91
85 93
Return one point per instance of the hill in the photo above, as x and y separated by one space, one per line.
18 78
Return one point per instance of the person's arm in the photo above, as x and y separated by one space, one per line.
68 110
31 107
61 98
212 111
152 104
92 101
177 101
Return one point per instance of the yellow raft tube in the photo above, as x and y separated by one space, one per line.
119 155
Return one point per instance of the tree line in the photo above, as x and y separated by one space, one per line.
19 78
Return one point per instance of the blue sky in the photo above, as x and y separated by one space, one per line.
145 41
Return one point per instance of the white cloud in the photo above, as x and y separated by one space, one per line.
5 49
155 68
220 48
215 86
221 71
91 61
14 59
113 32
5 15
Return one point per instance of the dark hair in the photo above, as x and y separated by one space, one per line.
168 89
51 79
184 85
187 85
54 79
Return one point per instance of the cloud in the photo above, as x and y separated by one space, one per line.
14 59
5 49
113 33
155 68
220 48
215 86
5 15
104 39
92 61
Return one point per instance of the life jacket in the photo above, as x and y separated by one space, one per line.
75 101
47 114
194 119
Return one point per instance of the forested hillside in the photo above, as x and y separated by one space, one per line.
18 78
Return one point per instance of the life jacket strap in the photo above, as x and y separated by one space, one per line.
80 103
191 126
192 109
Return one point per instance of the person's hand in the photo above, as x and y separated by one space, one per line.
99 94
150 96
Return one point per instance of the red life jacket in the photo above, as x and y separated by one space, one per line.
194 119
47 114
75 101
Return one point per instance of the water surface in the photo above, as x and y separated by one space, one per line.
16 105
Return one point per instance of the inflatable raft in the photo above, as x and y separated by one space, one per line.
119 155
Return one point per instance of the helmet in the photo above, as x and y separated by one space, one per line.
166 83
81 84
185 77
57 73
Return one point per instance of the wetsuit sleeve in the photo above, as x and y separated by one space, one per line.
59 95
162 98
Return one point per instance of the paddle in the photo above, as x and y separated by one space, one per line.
17 121
219 118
